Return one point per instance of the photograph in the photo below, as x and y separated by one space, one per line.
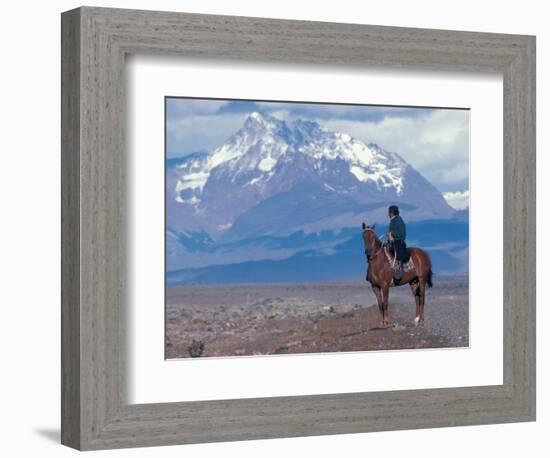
295 227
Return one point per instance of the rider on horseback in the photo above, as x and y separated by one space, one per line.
396 235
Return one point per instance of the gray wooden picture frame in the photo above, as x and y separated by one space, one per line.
95 412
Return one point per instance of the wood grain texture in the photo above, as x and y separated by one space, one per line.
70 229
95 411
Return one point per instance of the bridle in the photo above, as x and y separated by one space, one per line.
366 229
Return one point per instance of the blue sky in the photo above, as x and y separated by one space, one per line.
434 141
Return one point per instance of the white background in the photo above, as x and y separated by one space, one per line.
29 233
155 380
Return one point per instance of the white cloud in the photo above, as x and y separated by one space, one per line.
285 115
194 107
187 134
458 200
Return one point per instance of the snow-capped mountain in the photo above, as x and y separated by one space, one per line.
297 175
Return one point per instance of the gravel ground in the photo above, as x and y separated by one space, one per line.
259 319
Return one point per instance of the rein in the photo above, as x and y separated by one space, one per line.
377 239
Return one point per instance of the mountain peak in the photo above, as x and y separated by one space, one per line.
267 156
257 118
256 115
307 127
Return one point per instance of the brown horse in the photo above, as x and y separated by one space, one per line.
381 274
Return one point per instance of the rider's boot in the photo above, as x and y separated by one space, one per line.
399 272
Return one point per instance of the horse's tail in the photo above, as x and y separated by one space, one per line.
429 278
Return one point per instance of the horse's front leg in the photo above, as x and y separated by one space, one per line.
385 301
379 300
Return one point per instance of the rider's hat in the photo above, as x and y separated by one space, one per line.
394 209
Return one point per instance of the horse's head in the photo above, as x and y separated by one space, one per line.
370 240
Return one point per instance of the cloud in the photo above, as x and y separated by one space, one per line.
194 124
436 144
458 200
178 107
240 106
323 112
187 134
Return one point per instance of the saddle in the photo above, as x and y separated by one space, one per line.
394 263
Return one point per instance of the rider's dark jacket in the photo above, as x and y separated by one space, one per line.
397 228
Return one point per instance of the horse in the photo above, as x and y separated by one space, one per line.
381 274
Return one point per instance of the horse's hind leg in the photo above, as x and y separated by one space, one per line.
415 292
421 296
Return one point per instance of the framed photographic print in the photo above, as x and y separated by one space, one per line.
285 228
263 227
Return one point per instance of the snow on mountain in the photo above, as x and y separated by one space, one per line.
268 156
264 139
